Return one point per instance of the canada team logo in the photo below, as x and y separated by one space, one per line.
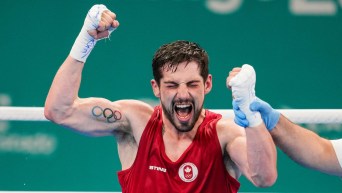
188 172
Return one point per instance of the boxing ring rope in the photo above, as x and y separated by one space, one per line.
314 116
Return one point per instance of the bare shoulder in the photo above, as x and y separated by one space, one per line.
228 130
134 109
137 113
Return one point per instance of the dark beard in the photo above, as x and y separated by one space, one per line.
184 127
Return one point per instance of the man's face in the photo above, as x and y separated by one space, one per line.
182 94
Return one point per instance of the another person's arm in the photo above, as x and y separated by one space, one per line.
300 144
305 147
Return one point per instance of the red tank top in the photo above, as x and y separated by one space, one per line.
200 168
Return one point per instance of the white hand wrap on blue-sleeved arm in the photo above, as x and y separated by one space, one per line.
84 42
337 144
243 89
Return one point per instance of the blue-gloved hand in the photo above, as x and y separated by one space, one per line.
240 117
268 114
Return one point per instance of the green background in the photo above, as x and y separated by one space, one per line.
297 56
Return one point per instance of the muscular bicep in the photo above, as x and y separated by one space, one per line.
94 116
98 116
233 140
237 151
255 156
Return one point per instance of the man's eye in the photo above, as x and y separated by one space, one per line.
193 85
171 86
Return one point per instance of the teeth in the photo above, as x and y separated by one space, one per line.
183 106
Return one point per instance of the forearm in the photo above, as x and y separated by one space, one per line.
305 147
261 155
261 151
99 23
64 89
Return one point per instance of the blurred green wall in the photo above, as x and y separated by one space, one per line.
295 47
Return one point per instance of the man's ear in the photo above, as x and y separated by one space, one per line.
155 88
208 84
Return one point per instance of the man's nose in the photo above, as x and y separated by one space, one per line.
183 91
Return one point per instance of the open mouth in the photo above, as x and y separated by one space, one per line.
183 111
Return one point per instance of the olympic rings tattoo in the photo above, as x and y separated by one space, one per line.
110 115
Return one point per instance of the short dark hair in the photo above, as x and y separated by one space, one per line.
170 55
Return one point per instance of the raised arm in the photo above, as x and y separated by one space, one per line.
253 153
91 116
259 164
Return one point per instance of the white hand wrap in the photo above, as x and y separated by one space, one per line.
243 88
337 145
84 42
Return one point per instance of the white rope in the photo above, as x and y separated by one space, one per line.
316 116
22 114
300 116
